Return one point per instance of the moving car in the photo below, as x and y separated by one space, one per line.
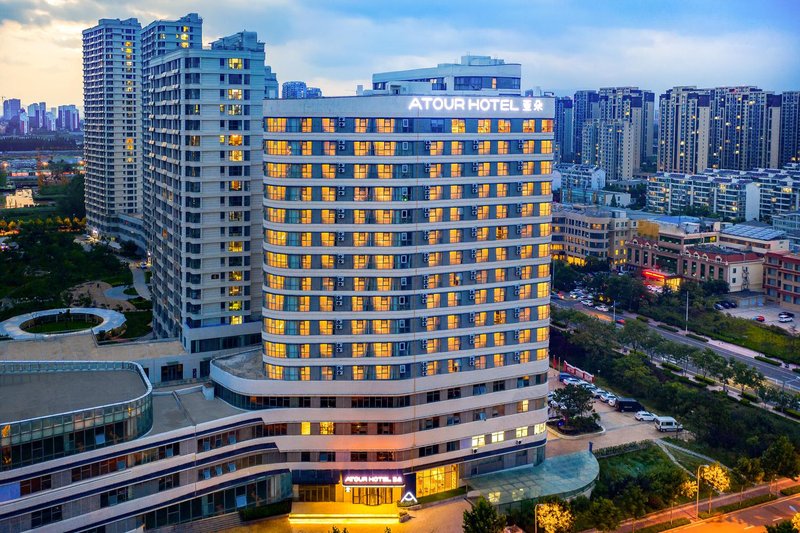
645 416
602 307
759 318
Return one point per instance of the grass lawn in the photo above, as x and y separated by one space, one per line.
728 459
130 291
633 464
137 323
61 327
690 462
122 278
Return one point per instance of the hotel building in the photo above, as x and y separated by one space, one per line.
406 289
205 156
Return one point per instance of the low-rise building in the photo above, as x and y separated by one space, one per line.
790 223
581 232
782 279
754 236
742 270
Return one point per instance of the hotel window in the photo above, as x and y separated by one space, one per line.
547 167
478 441
455 258
500 338
236 155
433 301
500 233
484 169
361 125
456 170
433 323
384 125
529 147
521 432
435 170
456 213
328 171
480 296
547 147
480 341
383 372
433 346
454 344
384 171
326 428
329 148
482 234
456 148
276 125
529 126
358 349
435 259
542 334
305 428
384 148
436 192
455 235
359 372
482 255
484 147
484 125
503 126
433 281
306 125
546 125
234 94
436 147
483 212
328 125
456 192
457 125
498 436
543 312
480 319
502 169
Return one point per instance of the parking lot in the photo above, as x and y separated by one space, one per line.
770 314
620 428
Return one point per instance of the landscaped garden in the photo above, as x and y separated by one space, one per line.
60 327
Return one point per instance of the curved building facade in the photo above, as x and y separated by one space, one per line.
406 286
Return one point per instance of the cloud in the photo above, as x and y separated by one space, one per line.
563 46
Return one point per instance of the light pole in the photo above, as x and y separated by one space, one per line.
686 327
536 518
614 311
697 504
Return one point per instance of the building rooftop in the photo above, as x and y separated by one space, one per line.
754 230
36 394
729 254
82 347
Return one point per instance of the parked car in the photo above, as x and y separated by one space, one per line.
785 319
625 405
726 304
718 306
612 401
572 381
667 423
645 416
563 375
599 392
606 398
759 318
602 307
785 314
587 303
734 305
621 321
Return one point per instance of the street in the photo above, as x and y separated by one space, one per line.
776 374
752 519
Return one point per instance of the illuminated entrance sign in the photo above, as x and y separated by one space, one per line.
459 103
409 498
372 479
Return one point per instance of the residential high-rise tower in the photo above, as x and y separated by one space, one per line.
684 130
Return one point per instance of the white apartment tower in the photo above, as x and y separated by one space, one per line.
206 170
158 38
112 122
407 268
684 132
610 145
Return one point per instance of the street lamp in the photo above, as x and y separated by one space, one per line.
697 504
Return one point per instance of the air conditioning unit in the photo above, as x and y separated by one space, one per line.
520 165
517 356
472 343
403 259
424 344
474 210
339 301
423 367
341 168
423 322
423 299
427 195
342 145
404 214
472 360
471 318
426 257
426 213
404 168
520 144
474 188
473 253
519 250
340 282
401 347
401 300
339 324
340 214
427 146
472 295
516 290
519 229
473 275
405 145
475 167
518 271
342 122
403 283
339 347
402 369
339 370
340 191
516 313
519 187
425 280
516 334
340 236
519 208
426 235
475 145
427 168
473 232
340 259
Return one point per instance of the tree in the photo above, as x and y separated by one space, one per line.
565 276
573 402
554 517
703 360
72 203
483 518
714 287
632 502
717 478
635 334
796 521
595 338
748 472
604 515
782 527
780 459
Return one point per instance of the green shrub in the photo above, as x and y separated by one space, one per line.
664 526
790 491
791 412
671 366
767 360
749 502
796 370
745 401
643 318
696 337
665 327
749 396
265 511
704 379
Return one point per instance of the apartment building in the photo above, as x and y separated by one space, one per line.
684 132
782 279
581 232
609 144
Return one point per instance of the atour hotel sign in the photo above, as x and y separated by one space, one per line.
458 103
372 479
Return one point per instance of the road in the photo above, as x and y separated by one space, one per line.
777 374
752 519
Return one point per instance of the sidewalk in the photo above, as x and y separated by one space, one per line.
688 510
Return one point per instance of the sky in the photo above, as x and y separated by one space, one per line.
563 45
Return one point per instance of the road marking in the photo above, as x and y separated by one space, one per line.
748 527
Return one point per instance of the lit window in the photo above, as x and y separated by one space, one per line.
235 63
457 126
498 436
305 428
326 428
521 432
478 441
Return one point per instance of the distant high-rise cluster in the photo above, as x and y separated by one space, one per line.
298 90
737 128
36 118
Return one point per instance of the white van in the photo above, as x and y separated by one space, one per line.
667 423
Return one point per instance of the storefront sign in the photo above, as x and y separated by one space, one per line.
409 499
458 103
372 479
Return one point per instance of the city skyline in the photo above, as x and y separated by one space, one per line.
337 46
